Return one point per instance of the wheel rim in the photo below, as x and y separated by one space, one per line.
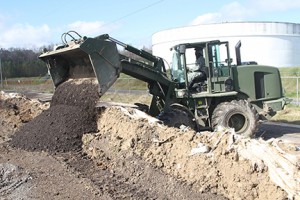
239 122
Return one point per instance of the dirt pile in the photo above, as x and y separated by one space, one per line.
126 154
15 110
60 128
218 170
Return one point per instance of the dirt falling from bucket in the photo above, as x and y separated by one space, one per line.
60 128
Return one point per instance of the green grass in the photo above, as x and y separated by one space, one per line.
290 71
31 84
127 98
42 84
126 82
290 84
291 114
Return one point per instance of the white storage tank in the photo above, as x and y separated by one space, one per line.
267 43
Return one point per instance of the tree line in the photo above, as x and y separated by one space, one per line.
17 62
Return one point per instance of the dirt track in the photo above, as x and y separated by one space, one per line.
51 153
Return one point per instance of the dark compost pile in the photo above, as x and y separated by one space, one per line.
60 128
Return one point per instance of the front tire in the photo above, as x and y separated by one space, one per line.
237 114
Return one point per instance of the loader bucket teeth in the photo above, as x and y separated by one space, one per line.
85 59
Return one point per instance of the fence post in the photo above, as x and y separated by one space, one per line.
297 92
1 75
296 100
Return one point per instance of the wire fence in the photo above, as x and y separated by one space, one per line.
124 86
290 85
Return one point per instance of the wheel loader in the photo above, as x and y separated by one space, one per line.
233 96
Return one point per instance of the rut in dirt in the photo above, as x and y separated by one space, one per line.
130 177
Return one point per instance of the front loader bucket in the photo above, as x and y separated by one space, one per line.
86 58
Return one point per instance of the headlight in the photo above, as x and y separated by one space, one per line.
181 93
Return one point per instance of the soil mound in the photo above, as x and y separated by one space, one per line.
132 155
205 161
15 110
60 128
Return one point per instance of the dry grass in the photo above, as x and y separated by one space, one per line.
291 114
127 98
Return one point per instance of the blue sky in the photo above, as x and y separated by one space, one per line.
33 23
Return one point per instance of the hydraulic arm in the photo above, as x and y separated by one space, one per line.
99 57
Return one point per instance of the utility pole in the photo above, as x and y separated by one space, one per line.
1 76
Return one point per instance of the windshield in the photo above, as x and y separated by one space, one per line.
177 68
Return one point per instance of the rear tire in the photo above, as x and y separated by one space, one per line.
176 117
237 114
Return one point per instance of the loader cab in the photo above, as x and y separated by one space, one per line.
217 66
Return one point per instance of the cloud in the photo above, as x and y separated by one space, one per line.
91 29
236 11
28 36
230 12
276 5
3 18
207 18
24 36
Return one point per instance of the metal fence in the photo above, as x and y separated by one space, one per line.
130 85
291 87
126 85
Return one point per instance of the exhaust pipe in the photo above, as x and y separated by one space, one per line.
238 53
